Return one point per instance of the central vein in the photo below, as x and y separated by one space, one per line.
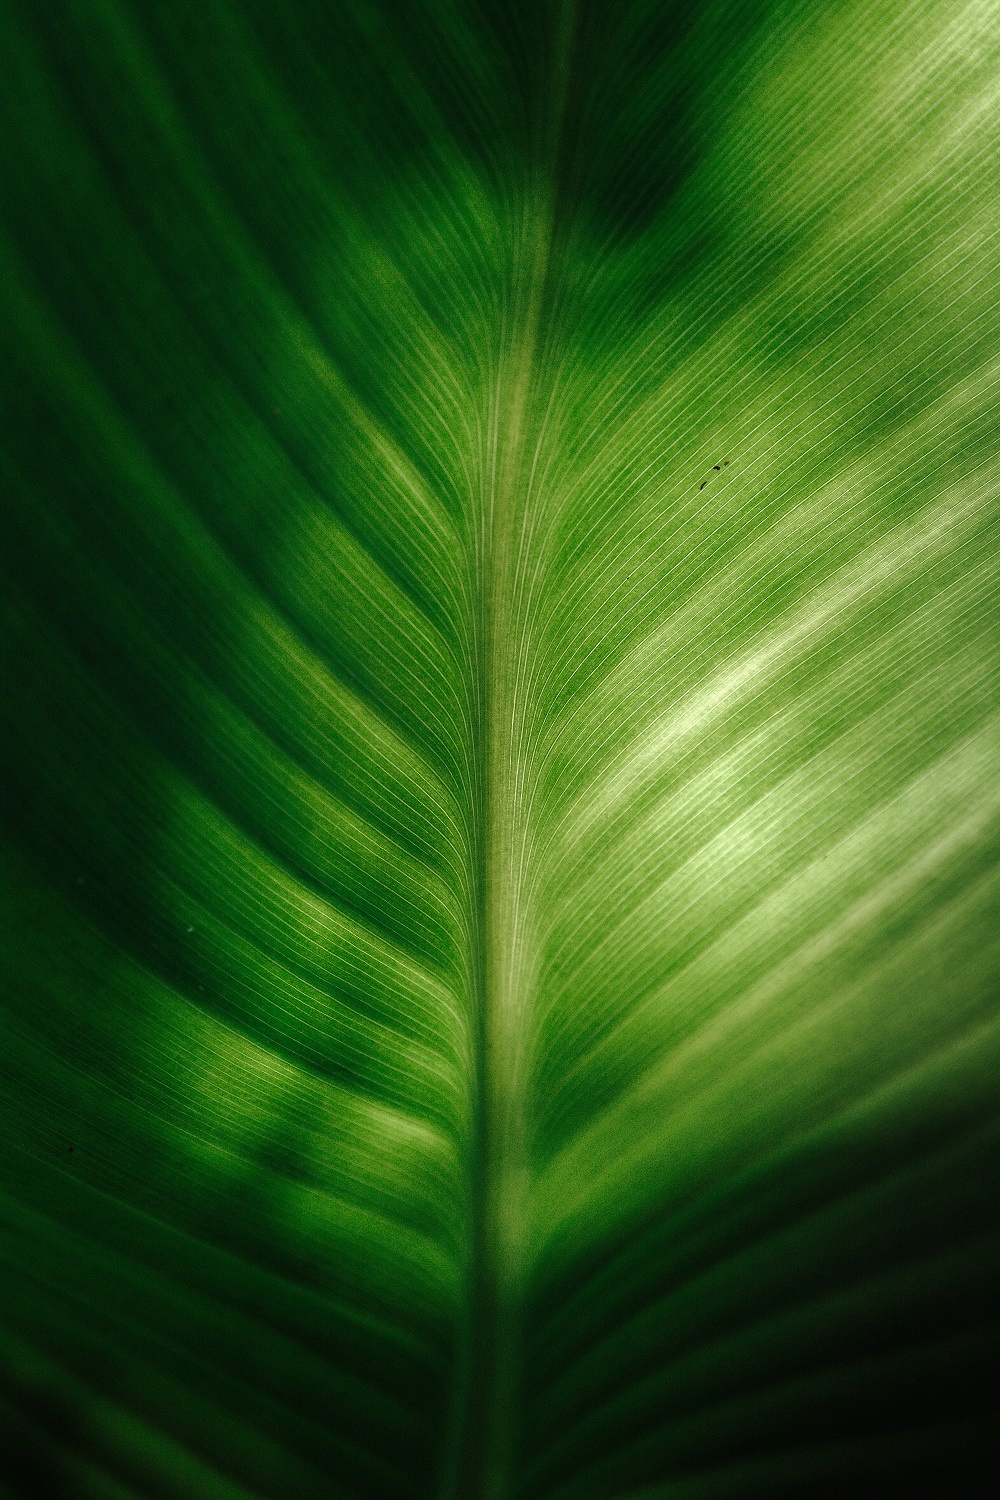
485 1439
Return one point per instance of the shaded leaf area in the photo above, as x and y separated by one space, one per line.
237 1045
500 507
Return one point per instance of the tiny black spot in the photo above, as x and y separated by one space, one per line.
717 468
71 1150
703 484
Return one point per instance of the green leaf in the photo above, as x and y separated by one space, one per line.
500 511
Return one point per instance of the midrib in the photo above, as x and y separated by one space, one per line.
484 1443
503 911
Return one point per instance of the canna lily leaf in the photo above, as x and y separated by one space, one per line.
500 615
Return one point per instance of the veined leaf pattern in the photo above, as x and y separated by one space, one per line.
502 749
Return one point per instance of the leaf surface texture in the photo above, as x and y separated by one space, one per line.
502 749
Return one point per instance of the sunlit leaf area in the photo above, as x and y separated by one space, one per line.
501 749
